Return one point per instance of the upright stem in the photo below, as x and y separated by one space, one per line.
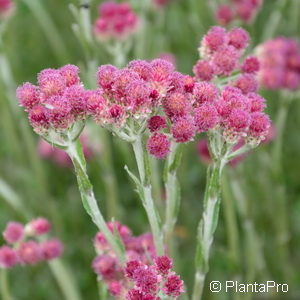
172 191
88 198
142 160
64 280
207 226
5 292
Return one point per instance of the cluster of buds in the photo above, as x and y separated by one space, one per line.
22 246
140 279
244 10
280 64
6 8
116 20
56 102
60 157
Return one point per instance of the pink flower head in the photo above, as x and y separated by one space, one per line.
115 288
108 9
105 266
131 267
238 38
224 14
122 79
225 60
160 75
116 20
259 126
183 130
8 257
257 102
177 105
238 120
76 96
158 145
106 76
292 80
95 103
206 117
163 264
247 83
38 119
51 249
39 226
245 10
30 252
204 70
146 279
231 98
141 67
138 95
205 92
174 286
58 112
51 82
71 74
214 39
250 65
28 95
135 294
13 232
157 123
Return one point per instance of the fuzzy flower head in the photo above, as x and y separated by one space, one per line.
8 257
159 145
242 10
115 21
13 232
51 249
38 226
56 102
280 64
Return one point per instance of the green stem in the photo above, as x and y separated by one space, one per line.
64 280
142 160
207 226
231 221
90 204
5 292
172 191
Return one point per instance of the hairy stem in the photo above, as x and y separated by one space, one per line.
142 160
88 198
207 226
172 191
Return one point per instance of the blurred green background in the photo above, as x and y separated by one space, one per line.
249 245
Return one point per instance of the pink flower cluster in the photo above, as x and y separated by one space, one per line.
195 105
116 20
245 10
23 249
6 8
140 279
280 64
60 157
56 102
